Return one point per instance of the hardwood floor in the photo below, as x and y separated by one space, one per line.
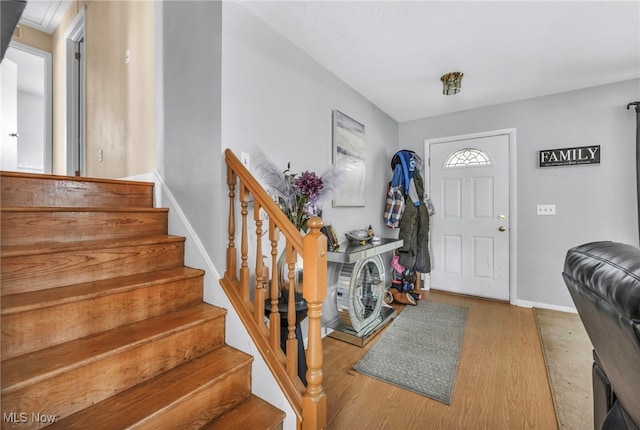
501 382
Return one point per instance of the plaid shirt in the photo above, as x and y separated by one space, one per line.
394 208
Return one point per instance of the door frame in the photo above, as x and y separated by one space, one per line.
75 106
48 99
513 198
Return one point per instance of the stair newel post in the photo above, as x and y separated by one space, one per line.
314 402
244 246
259 292
231 247
292 342
274 316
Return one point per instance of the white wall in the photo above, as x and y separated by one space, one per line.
189 156
233 82
226 80
592 202
31 127
277 97
189 175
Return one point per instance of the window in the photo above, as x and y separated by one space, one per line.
468 157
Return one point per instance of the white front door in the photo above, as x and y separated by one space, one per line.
469 187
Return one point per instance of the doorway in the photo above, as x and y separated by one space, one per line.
75 97
472 231
27 139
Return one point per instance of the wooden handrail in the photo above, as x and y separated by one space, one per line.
309 403
263 198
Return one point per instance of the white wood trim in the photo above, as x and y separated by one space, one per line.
528 304
48 99
513 198
74 111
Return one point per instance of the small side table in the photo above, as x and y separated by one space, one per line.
355 253
301 314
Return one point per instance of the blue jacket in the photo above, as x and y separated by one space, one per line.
403 175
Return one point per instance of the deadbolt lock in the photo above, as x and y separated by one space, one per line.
502 217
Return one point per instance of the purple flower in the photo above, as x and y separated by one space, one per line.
309 185
298 195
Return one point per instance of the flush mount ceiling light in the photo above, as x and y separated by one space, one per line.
451 83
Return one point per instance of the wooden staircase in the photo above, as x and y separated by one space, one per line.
102 324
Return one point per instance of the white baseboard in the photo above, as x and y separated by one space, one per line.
144 177
528 304
263 384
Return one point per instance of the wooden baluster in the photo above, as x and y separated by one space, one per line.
292 342
259 292
314 250
314 402
231 247
274 316
244 247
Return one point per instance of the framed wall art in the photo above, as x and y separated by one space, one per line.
349 158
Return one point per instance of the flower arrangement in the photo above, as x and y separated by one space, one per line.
298 195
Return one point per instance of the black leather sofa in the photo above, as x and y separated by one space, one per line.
604 281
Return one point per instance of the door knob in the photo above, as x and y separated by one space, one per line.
14 134
502 228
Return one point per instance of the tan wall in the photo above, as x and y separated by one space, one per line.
34 38
120 98
141 101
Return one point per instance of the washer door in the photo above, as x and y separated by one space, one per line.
360 292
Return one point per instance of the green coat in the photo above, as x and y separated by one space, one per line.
414 231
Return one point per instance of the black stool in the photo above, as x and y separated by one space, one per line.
301 314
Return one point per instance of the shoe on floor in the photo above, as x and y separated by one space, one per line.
388 297
404 298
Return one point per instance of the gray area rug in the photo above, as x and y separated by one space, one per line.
420 349
568 357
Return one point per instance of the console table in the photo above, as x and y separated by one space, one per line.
361 289
349 252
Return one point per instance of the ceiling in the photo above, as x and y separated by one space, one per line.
394 52
44 15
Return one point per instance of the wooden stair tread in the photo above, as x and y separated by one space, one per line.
10 209
19 189
32 368
47 176
102 323
31 225
253 413
160 393
87 245
22 302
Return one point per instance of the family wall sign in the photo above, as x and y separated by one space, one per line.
569 156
